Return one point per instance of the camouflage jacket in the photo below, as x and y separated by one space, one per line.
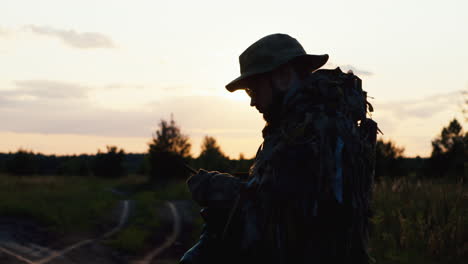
312 178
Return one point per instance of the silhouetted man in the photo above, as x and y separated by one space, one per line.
307 196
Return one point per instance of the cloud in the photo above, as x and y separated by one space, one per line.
116 86
47 89
420 108
3 31
4 101
348 67
80 40
45 106
51 107
414 122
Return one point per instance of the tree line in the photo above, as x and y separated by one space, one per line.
169 154
448 160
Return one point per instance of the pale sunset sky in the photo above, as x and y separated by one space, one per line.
79 75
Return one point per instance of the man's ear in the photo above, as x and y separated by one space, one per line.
283 76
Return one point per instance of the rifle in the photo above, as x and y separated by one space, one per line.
241 175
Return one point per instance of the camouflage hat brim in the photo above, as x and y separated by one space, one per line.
310 62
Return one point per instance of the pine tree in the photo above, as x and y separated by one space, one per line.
211 157
167 151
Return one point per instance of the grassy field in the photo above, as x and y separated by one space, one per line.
413 221
64 204
82 207
420 222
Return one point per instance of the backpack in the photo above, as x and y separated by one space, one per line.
330 113
340 96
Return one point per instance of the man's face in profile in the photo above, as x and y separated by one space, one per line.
260 91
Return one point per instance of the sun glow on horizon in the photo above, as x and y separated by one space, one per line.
79 76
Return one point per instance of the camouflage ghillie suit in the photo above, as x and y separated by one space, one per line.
313 175
307 197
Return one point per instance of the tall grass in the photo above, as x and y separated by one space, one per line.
420 221
63 203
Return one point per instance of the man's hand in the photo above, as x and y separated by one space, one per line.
213 187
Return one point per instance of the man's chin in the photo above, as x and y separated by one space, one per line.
267 117
271 115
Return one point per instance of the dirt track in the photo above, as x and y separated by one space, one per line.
20 242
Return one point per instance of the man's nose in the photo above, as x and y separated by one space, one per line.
252 101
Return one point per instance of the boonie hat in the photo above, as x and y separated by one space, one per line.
270 52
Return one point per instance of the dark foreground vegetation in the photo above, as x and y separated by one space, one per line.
419 221
414 221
